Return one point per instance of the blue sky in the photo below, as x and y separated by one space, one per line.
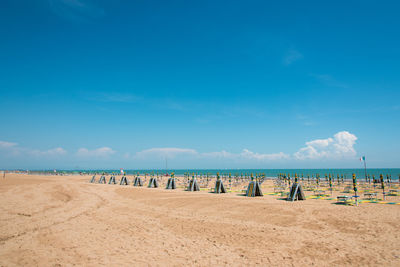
207 84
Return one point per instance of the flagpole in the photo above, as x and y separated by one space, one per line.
166 165
365 168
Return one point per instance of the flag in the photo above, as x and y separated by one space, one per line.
362 158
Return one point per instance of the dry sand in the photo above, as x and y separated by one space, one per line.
65 220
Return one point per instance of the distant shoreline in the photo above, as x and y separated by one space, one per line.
360 173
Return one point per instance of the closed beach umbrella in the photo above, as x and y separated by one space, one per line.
354 183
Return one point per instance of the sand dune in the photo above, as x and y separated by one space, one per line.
64 220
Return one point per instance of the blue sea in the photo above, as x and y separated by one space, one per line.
360 173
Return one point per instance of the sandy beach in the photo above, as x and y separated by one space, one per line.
65 221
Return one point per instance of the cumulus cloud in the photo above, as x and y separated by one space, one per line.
101 152
341 145
169 152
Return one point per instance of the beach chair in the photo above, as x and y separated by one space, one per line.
244 190
344 200
347 189
320 193
370 196
279 189
393 192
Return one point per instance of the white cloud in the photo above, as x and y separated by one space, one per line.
169 152
101 152
246 155
291 56
9 149
340 146
173 152
218 154
51 152
13 149
4 144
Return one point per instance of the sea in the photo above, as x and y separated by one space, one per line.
347 173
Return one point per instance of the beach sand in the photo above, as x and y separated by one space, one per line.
65 220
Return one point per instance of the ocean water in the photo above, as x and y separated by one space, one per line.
360 173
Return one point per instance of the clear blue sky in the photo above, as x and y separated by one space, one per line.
207 84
